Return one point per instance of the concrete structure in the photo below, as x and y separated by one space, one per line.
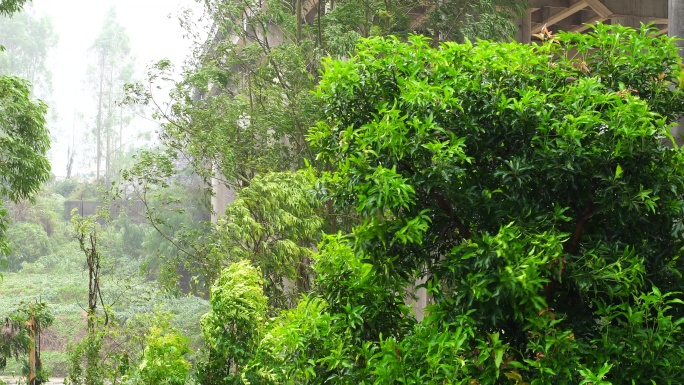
574 15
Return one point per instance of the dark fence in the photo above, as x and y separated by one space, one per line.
134 209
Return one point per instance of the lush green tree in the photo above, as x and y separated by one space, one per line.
24 141
331 335
163 360
535 189
275 224
245 104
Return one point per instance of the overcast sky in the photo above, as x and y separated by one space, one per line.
155 33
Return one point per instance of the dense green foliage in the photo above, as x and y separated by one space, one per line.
163 360
532 189
245 103
532 193
233 326
274 223
24 141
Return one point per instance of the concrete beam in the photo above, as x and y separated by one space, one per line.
645 19
588 24
627 21
600 8
558 16
548 3
638 8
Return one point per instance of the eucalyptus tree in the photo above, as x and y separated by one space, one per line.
110 70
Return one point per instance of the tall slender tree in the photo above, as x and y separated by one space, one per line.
110 71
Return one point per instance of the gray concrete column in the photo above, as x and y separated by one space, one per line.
675 17
524 34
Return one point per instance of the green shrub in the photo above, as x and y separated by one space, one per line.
234 325
28 241
163 360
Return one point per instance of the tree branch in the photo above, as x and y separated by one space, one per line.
572 246
447 207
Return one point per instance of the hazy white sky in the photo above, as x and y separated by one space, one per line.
154 31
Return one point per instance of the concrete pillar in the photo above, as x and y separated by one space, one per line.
675 17
524 34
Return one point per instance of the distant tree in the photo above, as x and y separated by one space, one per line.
111 70
28 39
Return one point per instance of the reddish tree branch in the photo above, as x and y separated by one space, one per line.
446 206
572 247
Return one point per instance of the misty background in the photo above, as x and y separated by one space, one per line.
155 32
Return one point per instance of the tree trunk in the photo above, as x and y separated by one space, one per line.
299 20
108 127
98 127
